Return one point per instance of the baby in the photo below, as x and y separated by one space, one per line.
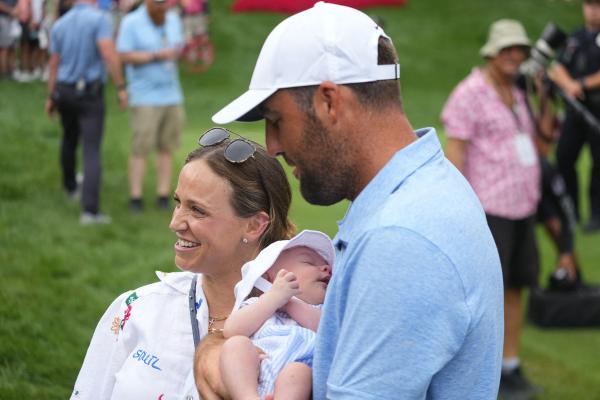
270 339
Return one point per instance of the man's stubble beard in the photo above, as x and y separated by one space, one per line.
325 178
157 16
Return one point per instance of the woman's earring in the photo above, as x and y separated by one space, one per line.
245 241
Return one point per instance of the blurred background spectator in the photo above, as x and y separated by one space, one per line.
491 141
578 75
7 36
81 43
198 52
149 42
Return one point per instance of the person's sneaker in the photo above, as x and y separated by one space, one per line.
592 226
88 218
36 74
23 76
162 202
515 386
16 75
75 194
136 205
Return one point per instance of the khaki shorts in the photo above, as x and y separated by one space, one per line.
156 128
6 36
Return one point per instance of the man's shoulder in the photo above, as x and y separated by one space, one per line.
134 17
61 22
93 13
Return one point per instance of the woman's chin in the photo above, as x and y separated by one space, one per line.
185 266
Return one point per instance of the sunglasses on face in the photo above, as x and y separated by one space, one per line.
238 151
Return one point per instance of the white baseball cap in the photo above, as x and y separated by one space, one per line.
327 42
253 271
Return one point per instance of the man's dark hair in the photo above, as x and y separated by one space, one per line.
375 95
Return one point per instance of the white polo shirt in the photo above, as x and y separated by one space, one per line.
143 346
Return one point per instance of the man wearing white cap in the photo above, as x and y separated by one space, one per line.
414 307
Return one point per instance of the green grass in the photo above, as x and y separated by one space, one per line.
57 277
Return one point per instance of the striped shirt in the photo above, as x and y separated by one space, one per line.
284 341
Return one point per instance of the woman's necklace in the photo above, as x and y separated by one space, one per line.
211 323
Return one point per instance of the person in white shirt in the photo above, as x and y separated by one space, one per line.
231 201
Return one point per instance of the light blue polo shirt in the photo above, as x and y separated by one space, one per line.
414 309
74 38
154 83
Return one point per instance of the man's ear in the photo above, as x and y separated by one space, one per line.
257 225
327 101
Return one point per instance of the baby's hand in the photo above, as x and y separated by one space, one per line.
285 286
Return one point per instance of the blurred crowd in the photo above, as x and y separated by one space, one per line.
25 27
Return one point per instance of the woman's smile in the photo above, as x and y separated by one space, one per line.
185 245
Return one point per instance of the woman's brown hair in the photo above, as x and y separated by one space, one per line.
259 184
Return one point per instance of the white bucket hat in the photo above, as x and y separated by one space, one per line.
253 271
504 33
327 42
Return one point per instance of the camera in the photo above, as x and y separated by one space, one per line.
544 51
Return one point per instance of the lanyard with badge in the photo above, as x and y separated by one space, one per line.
193 311
522 141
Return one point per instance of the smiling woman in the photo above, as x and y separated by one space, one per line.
225 213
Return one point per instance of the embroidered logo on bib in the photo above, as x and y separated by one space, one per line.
147 358
116 324
132 297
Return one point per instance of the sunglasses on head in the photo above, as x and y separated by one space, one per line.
238 151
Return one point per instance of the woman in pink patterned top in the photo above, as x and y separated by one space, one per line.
491 141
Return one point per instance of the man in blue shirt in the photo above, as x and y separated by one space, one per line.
80 46
149 43
414 309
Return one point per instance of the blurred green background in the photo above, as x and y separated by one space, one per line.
57 277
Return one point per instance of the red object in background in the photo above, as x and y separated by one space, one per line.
294 6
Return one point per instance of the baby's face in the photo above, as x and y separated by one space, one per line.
310 268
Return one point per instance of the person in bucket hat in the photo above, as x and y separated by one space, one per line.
503 34
414 308
270 339
492 136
